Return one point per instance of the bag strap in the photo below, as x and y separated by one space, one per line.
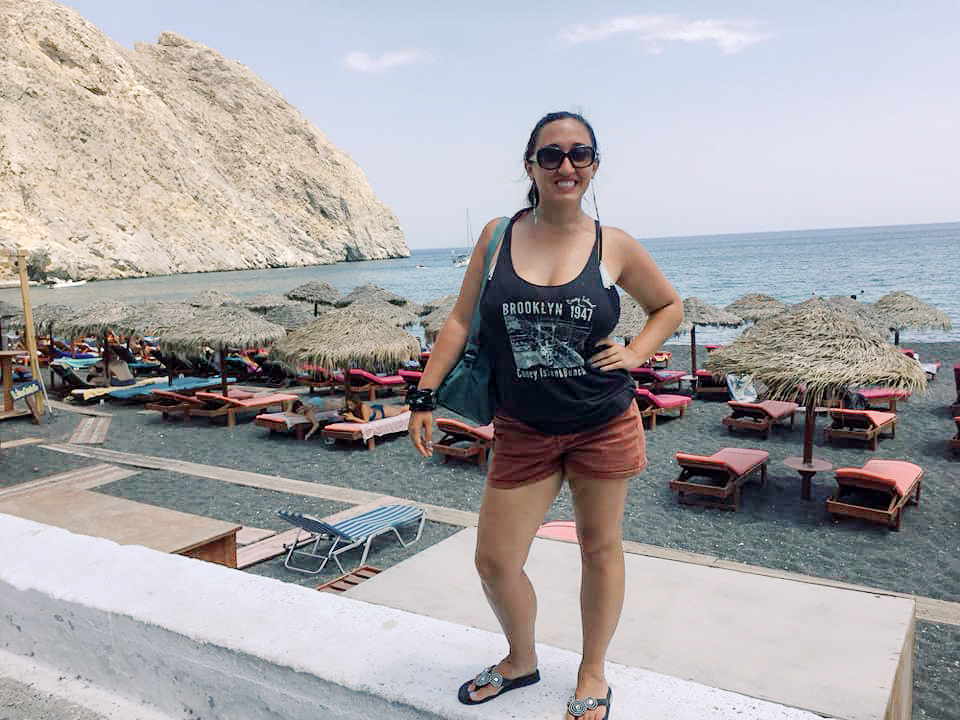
495 241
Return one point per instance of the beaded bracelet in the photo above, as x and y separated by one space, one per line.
421 400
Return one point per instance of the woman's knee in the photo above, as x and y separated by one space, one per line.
494 566
600 548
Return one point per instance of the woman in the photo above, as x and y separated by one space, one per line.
565 399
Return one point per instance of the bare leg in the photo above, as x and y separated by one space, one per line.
598 506
509 519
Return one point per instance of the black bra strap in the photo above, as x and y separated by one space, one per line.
599 241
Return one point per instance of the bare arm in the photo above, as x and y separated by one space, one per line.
451 340
636 272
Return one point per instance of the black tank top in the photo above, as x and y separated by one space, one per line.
541 339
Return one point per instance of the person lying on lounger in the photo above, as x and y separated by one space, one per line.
360 412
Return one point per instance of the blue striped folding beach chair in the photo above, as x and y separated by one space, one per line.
346 535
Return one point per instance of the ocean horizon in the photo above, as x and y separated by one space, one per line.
791 265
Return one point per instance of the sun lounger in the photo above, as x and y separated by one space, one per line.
368 382
463 441
172 402
759 416
346 535
410 377
652 405
218 405
368 431
715 480
866 425
710 385
295 422
559 530
320 377
890 396
878 491
656 380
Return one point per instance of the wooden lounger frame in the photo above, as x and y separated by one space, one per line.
476 451
856 426
725 496
889 516
753 416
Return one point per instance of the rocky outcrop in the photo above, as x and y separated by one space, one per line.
166 159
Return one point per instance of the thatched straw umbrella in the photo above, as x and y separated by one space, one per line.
213 298
263 302
756 306
433 321
633 318
401 316
291 316
220 327
347 338
902 310
315 292
819 349
373 293
98 319
442 301
864 313
156 318
697 312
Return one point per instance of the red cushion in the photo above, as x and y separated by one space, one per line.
778 409
882 393
900 475
736 460
484 432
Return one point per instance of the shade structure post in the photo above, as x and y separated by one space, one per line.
223 369
809 427
28 330
896 337
693 350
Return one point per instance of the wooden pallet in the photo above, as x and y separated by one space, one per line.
349 580
91 431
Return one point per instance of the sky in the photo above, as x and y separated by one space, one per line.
712 117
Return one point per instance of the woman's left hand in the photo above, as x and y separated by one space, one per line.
614 356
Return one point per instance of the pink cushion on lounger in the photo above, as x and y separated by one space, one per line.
882 393
376 379
559 530
898 474
736 460
238 394
779 408
665 401
484 432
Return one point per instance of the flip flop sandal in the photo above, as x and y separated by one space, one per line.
579 708
494 678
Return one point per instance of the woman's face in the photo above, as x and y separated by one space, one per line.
566 183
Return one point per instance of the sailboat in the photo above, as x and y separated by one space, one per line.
463 259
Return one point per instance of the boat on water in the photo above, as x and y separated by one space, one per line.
463 259
57 283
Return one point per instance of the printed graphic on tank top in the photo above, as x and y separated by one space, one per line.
541 339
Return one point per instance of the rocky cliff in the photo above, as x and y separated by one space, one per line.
169 158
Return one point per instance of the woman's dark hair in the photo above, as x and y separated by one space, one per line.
533 195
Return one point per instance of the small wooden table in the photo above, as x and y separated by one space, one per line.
128 522
807 471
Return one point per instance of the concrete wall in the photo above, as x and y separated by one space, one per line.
193 639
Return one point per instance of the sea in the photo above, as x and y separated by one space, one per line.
869 262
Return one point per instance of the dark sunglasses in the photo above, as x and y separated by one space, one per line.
551 157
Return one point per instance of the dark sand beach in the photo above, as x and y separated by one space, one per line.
774 528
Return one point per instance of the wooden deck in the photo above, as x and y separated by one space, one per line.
928 609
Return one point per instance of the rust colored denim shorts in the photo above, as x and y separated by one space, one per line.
522 455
